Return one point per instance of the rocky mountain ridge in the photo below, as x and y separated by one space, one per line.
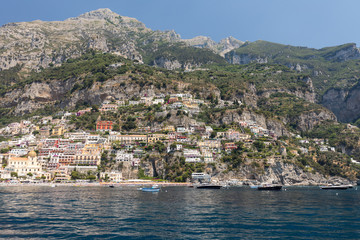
222 47
38 44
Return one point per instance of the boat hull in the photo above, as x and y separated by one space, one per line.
150 189
209 186
334 187
272 188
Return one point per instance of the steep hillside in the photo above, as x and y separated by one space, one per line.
335 71
90 79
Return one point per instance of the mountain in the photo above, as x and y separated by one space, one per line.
33 46
333 70
39 44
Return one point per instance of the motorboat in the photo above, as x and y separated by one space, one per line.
154 188
208 186
335 187
272 187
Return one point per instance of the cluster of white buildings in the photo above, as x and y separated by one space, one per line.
257 130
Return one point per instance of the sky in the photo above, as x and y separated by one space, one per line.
310 23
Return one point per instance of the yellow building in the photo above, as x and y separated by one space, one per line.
152 138
92 148
58 131
131 139
87 159
169 128
45 132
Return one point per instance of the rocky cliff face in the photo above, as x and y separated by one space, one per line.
348 52
224 46
277 173
166 63
309 120
234 58
57 93
37 44
344 103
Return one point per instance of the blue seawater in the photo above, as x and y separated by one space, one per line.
178 213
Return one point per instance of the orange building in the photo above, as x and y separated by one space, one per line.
104 125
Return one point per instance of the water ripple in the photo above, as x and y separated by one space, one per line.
178 213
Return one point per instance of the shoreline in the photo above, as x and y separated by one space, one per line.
94 184
129 184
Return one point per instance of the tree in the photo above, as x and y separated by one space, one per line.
91 177
106 178
129 124
104 157
173 146
75 175
160 147
14 174
94 108
29 174
259 145
149 147
4 150
116 127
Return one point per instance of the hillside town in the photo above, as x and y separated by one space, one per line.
51 148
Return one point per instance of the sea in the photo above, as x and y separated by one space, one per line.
70 212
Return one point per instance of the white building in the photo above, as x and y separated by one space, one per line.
22 166
122 156
18 151
192 155
181 129
112 176
157 101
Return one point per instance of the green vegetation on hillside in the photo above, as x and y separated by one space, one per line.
87 69
286 105
180 52
345 137
324 65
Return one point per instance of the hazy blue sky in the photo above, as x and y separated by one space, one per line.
312 23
